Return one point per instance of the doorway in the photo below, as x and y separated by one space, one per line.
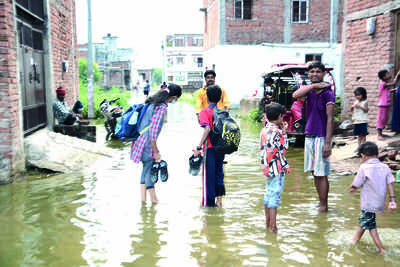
30 29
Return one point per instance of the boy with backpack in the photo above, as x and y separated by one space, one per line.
213 173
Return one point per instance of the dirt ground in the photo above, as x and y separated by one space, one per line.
345 161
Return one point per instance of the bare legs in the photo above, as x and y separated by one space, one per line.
218 203
374 235
322 186
361 139
380 134
152 193
270 219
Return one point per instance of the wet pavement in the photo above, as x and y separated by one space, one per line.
96 218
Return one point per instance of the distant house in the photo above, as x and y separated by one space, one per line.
243 38
183 60
372 31
116 64
38 53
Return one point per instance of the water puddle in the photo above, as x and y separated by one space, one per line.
97 219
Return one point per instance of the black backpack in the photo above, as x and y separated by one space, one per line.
225 135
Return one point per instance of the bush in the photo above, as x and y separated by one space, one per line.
337 114
254 115
99 95
97 75
189 98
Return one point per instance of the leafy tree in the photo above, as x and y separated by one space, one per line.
82 63
157 76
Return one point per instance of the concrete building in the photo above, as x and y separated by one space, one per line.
116 64
183 60
371 43
38 53
243 38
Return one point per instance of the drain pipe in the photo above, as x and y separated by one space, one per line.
331 35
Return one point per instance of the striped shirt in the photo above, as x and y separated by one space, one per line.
274 145
144 139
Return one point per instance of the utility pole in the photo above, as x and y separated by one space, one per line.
90 63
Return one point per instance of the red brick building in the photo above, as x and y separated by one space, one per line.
253 22
366 51
246 37
38 53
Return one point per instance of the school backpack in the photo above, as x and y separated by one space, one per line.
225 135
127 128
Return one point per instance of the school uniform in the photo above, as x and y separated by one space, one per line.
213 172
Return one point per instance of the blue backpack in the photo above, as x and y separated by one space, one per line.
127 128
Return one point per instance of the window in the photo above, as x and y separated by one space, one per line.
180 42
200 62
242 9
197 42
313 57
170 78
299 11
180 60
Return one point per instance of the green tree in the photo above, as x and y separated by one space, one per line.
82 63
157 76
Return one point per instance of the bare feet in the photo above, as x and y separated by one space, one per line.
382 251
381 137
273 229
218 203
323 209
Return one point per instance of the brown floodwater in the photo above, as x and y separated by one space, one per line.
95 218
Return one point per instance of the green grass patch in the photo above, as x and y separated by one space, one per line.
99 94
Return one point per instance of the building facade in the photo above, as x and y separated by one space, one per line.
243 38
38 54
116 64
372 42
183 60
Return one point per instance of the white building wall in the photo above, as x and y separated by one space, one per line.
239 67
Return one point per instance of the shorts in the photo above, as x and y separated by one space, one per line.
360 129
313 156
382 118
367 220
273 191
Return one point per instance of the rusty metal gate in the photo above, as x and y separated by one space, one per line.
30 27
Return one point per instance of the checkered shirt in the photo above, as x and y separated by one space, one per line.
143 140
61 110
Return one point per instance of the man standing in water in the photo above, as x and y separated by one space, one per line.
201 99
319 115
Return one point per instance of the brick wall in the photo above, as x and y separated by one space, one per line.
268 23
357 5
11 157
64 45
211 34
364 56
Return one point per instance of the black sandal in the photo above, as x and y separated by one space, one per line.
163 171
154 172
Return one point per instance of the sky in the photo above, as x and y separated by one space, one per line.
140 24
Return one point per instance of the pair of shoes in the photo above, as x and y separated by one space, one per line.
195 164
159 169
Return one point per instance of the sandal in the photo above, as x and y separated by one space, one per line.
154 172
163 171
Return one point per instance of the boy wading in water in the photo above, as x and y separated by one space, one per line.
319 127
274 145
213 172
373 177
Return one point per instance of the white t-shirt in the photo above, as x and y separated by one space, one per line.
359 116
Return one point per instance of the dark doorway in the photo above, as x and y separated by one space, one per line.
30 27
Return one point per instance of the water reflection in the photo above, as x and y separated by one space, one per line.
97 219
146 244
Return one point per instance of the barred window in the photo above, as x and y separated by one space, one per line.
299 11
242 9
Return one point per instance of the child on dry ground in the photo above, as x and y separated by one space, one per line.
373 177
360 115
274 145
385 90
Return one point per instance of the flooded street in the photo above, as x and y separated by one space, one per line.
97 219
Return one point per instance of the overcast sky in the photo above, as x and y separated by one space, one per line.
140 25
